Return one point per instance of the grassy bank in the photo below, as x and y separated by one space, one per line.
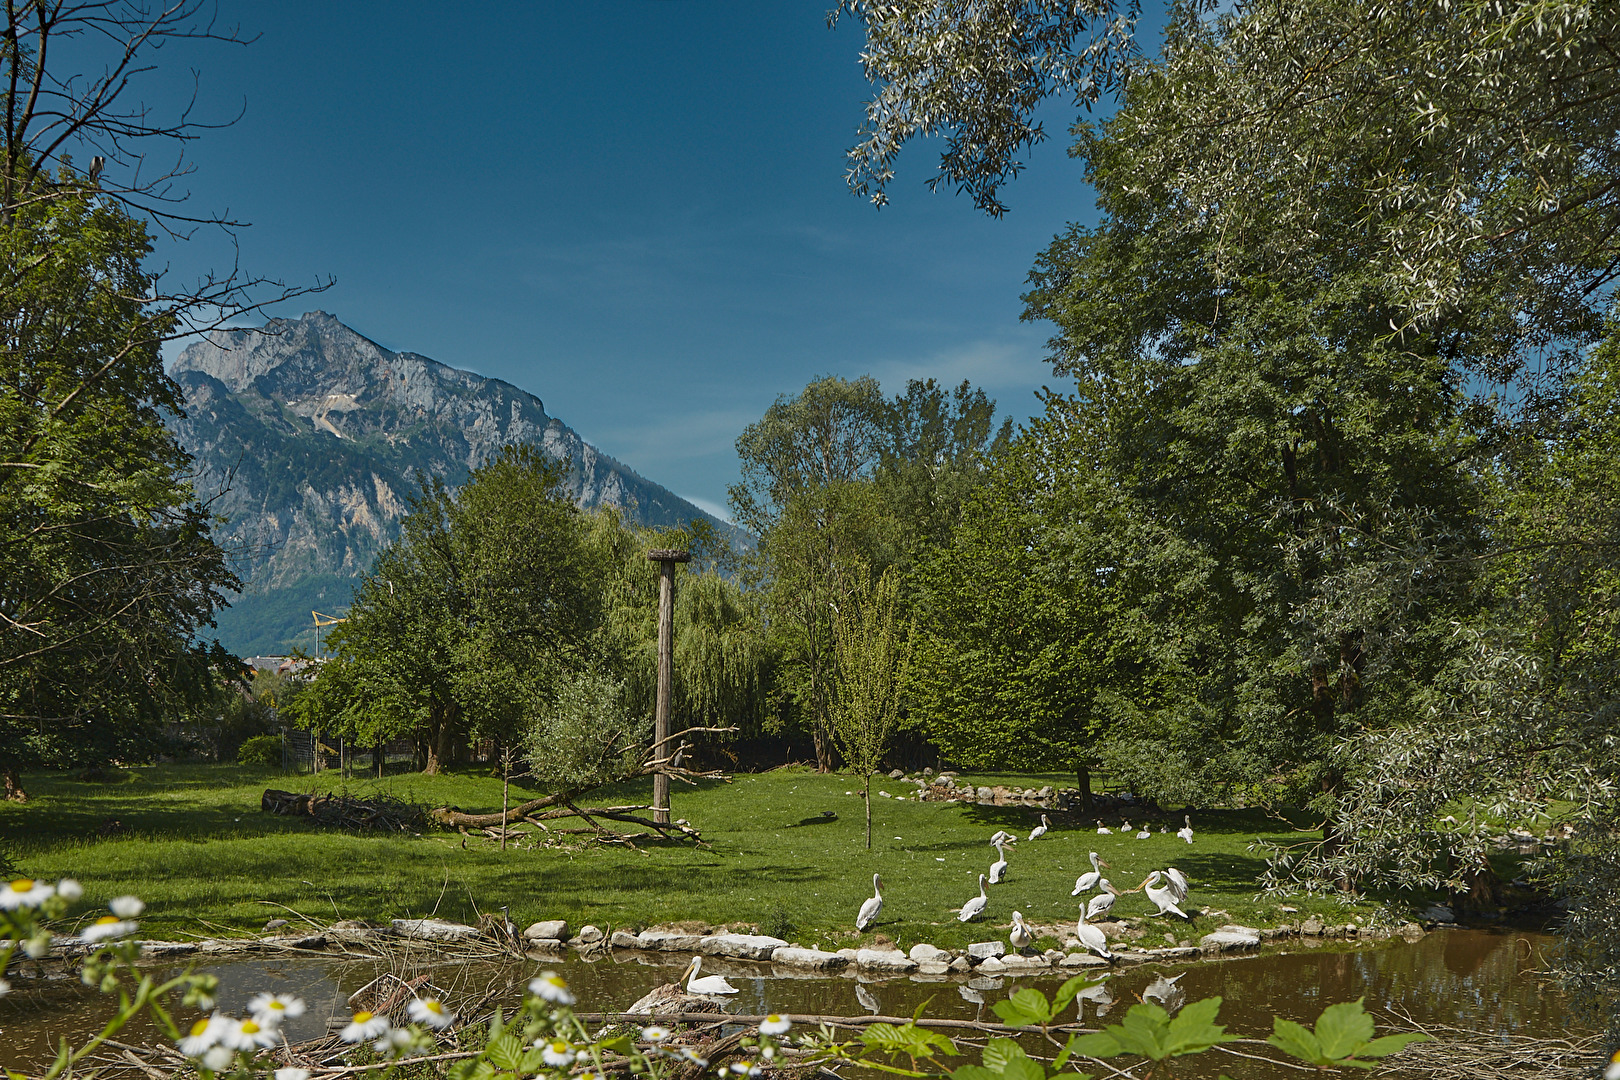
193 842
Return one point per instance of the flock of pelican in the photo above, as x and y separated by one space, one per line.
1167 889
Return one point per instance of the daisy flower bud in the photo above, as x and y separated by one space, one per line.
291 1073
69 890
219 1059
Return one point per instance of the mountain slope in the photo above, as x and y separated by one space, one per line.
312 434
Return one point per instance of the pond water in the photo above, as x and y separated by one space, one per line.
1481 980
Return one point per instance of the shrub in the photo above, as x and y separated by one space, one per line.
260 750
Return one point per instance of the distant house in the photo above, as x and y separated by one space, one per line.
280 665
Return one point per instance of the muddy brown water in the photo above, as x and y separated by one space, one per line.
1482 980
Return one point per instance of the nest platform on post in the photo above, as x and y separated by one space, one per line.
666 560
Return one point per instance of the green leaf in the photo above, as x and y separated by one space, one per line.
1064 1054
997 1052
1145 1030
1343 1029
1194 1029
1026 1008
974 1072
505 1052
1297 1041
1069 990
620 1045
1097 1044
1391 1044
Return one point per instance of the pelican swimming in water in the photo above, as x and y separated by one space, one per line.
1021 935
1093 939
998 869
874 904
974 907
1103 901
1164 897
1088 881
709 984
1186 832
1040 830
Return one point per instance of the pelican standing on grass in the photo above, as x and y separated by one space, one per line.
974 907
1164 897
709 984
1103 901
1186 832
1002 834
1021 935
874 904
1088 881
1040 830
1178 881
998 869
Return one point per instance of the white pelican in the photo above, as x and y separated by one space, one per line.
874 904
1178 881
869 910
1165 898
1093 939
1103 830
1021 935
1146 833
1088 881
709 984
973 908
1103 901
1186 833
1040 830
1000 836
998 869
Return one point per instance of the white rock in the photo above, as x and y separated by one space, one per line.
984 950
932 967
991 965
812 959
1080 959
924 951
623 939
548 930
668 941
1226 941
885 960
589 935
742 946
433 929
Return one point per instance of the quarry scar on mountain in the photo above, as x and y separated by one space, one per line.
314 432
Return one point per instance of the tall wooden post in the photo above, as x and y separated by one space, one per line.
666 561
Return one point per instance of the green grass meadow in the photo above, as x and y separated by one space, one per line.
194 844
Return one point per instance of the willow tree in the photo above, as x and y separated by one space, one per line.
872 651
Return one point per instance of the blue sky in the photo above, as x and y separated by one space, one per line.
634 209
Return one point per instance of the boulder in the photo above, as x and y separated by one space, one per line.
741 946
185 948
1177 952
1022 963
924 951
984 950
1082 959
549 930
1412 932
1311 927
960 964
885 960
1222 941
991 965
897 774
433 930
932 967
623 939
808 959
588 935
668 941
1438 913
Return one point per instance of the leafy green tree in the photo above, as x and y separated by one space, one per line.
105 553
872 651
587 734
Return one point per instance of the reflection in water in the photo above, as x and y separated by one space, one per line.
1482 980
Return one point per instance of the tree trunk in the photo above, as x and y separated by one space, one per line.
866 795
824 757
440 747
14 788
1082 773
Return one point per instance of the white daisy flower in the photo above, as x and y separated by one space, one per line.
557 1054
38 945
655 1033
108 926
25 893
767 1052
431 1011
688 1054
126 907
776 1024
395 1041
550 987
219 1059
364 1026
247 1034
203 1036
745 1068
5 987
291 1073
272 1009
69 890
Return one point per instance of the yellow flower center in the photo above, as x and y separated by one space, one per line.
558 1047
275 1005
106 920
433 1006
773 1019
199 1027
249 1028
361 1017
21 885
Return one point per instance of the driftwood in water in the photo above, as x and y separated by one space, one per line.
346 811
